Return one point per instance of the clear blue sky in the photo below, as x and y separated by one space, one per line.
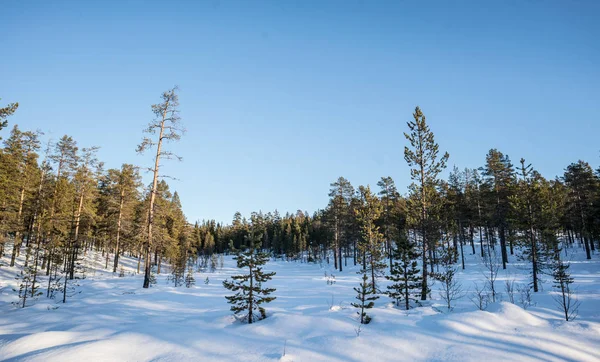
281 97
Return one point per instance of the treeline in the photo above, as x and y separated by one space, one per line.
58 202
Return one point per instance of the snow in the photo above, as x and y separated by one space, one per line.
114 319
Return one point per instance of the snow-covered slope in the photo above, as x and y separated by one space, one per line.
114 319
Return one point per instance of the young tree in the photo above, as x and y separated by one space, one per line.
167 125
250 294
451 289
565 300
366 299
189 278
404 276
491 266
371 242
425 165
27 287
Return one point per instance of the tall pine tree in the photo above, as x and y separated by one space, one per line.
423 158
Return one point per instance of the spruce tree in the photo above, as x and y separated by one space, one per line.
189 278
366 299
405 276
250 294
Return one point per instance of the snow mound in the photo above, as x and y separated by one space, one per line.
513 313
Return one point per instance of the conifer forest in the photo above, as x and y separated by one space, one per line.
100 262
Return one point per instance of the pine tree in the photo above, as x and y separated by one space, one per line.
61 207
389 201
18 176
524 202
250 294
582 187
366 299
500 178
122 193
426 166
167 124
340 194
451 289
85 182
371 243
6 112
457 214
405 275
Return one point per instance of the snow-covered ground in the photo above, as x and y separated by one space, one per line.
114 319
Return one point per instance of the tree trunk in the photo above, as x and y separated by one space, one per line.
503 246
76 235
250 297
18 235
152 199
116 263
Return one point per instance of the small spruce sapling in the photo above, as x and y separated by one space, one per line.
189 278
250 294
405 276
366 298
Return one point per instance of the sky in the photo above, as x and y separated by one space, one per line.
280 98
